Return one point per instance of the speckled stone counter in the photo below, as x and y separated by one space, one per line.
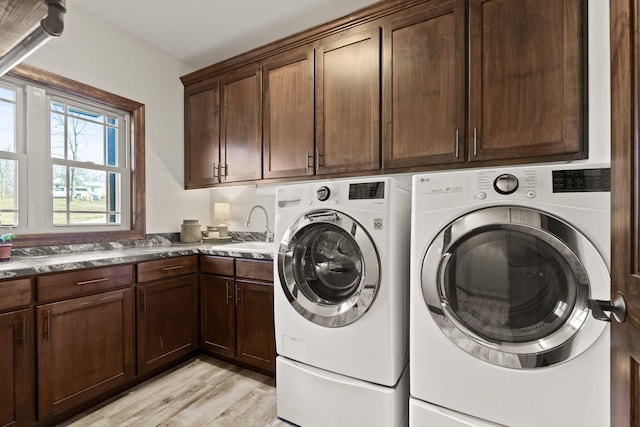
35 261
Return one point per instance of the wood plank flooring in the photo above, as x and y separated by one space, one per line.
203 391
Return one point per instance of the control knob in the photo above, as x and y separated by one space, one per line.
505 184
323 193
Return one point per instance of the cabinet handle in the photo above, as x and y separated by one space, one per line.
228 293
237 296
47 326
22 336
318 157
144 301
309 158
457 143
215 172
226 172
475 142
177 267
90 282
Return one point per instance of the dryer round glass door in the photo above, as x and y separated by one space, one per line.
329 268
510 285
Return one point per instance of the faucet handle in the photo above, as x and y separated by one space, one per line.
268 236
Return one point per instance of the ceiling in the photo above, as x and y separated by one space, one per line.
203 32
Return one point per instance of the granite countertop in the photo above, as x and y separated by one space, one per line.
29 263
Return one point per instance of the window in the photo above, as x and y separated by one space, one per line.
8 155
71 161
88 164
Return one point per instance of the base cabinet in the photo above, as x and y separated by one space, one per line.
167 311
17 353
85 347
255 340
17 372
237 310
70 339
167 321
218 319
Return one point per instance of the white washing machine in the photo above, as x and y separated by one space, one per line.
504 263
341 302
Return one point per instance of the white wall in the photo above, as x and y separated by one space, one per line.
96 53
242 198
599 82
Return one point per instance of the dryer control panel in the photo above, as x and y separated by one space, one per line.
493 184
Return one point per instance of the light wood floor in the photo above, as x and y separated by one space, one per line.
201 392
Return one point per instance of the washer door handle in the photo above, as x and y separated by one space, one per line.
605 310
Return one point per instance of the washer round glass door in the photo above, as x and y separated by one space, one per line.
329 268
510 285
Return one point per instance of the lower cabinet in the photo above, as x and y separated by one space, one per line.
237 310
167 318
85 348
17 372
71 338
218 319
167 311
255 336
17 354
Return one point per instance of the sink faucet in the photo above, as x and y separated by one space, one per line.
268 233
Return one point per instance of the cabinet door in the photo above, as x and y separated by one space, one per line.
85 348
167 319
202 136
348 104
241 128
288 115
218 315
526 78
17 368
424 86
255 333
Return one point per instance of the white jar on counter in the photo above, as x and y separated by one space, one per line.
190 231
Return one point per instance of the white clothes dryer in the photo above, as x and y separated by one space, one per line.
504 263
341 301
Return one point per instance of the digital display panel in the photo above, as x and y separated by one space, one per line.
366 191
582 180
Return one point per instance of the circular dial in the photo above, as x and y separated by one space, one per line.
323 193
506 184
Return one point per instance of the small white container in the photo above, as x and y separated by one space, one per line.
190 231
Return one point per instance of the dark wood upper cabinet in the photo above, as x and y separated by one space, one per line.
202 135
223 129
348 103
399 87
525 73
241 125
424 86
288 132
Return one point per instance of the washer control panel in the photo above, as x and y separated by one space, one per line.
492 184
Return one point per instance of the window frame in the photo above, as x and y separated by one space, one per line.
137 194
